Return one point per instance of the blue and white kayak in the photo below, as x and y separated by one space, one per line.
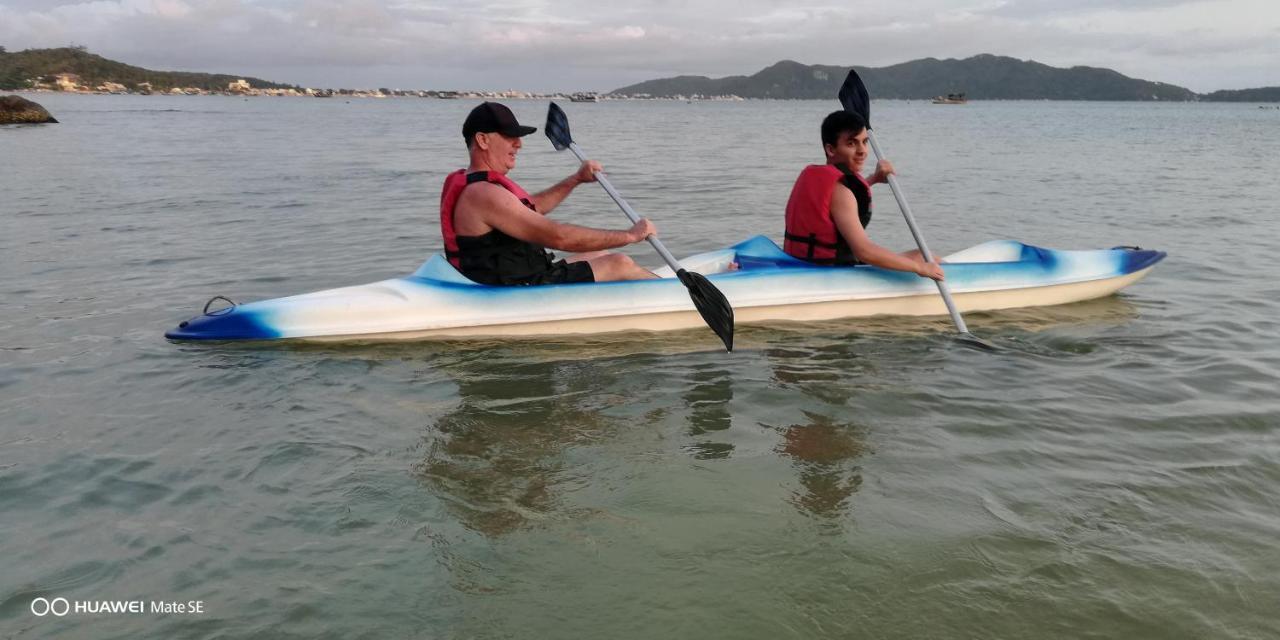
769 285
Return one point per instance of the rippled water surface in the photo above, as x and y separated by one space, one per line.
1112 472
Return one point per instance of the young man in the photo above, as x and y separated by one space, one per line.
497 233
830 205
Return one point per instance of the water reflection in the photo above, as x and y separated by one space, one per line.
497 458
709 392
502 458
823 450
824 453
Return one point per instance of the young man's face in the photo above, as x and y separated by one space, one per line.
850 149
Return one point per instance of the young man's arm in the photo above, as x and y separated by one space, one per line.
550 198
844 210
498 208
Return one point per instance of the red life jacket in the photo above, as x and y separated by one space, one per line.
811 232
495 257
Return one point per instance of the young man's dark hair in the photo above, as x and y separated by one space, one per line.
839 122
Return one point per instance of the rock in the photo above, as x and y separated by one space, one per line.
19 110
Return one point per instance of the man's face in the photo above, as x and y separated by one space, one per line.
850 149
499 150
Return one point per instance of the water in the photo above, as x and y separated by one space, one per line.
1111 473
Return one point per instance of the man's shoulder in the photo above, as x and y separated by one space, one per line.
484 199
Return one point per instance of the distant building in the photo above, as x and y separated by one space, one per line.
239 86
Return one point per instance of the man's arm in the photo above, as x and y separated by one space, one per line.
844 210
498 208
550 198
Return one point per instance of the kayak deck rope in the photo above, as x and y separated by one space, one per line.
229 301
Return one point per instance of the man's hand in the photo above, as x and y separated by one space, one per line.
930 270
587 172
641 230
884 169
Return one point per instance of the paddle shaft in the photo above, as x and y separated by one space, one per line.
626 208
915 232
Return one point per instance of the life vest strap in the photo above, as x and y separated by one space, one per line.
483 176
811 240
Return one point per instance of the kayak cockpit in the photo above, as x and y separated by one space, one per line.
761 254
754 254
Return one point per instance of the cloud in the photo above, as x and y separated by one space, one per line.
1037 9
575 44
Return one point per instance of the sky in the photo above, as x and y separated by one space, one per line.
576 45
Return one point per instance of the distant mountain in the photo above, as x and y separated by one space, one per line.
980 77
18 67
1262 94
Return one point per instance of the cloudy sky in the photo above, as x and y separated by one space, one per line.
589 44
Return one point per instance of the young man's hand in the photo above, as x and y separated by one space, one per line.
930 270
884 169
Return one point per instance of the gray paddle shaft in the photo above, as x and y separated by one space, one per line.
915 232
626 208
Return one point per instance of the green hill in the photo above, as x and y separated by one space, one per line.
17 68
980 77
1261 94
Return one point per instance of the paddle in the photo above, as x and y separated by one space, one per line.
854 97
707 299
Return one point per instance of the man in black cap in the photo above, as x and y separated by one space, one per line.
497 233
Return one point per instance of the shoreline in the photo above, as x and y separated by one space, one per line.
600 98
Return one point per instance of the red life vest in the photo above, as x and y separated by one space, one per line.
495 257
811 232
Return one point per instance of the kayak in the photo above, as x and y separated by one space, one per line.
766 285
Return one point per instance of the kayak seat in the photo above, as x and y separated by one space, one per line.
438 269
759 252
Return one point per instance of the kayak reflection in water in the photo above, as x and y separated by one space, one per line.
496 233
830 205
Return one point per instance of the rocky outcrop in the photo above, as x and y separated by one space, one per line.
19 110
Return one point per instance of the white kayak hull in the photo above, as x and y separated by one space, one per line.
436 301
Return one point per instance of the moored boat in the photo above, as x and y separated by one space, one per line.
767 285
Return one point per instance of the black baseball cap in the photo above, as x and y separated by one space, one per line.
490 117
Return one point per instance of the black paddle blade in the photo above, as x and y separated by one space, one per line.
558 127
970 340
854 97
712 304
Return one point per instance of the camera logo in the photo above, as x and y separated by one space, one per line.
43 606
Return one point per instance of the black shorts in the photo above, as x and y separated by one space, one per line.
562 272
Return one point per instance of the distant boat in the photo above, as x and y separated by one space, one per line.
584 97
950 98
